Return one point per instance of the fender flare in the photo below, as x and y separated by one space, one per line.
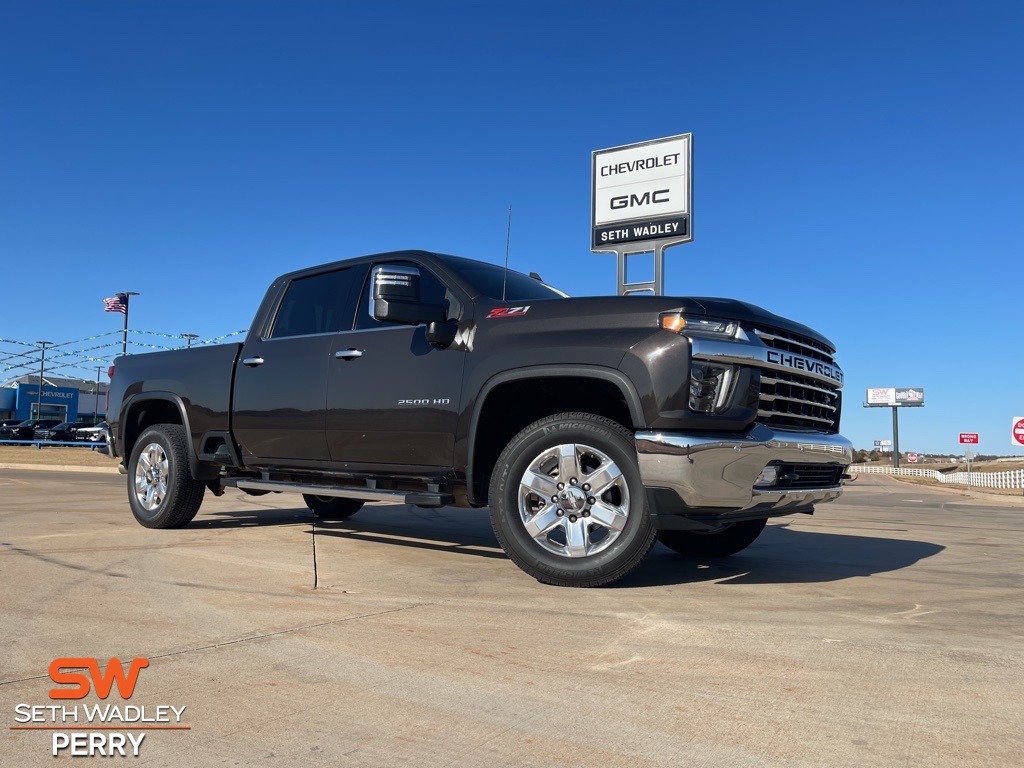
611 375
139 400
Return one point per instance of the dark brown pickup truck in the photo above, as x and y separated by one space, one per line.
590 427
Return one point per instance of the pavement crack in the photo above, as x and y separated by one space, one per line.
250 638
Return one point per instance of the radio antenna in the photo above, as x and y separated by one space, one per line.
508 237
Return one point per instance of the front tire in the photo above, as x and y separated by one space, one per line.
161 490
332 507
567 504
728 539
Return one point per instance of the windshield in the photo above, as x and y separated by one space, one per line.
491 279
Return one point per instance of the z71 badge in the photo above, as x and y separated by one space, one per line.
508 312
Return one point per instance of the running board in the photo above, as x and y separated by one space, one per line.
363 494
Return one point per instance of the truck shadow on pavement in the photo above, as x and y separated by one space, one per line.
781 555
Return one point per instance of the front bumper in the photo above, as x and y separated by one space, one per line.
717 473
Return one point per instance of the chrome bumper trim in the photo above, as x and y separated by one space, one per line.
108 441
717 472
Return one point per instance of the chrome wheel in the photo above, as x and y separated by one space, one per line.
151 475
161 489
573 500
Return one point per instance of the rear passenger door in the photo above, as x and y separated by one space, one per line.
280 394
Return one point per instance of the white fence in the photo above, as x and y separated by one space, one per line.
1011 479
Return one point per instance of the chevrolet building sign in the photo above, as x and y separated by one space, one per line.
641 193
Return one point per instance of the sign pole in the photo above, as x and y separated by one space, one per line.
42 361
656 286
895 438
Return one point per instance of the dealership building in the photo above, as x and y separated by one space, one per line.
61 398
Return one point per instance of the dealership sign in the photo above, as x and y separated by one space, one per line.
641 194
895 396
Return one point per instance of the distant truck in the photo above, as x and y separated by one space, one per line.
591 427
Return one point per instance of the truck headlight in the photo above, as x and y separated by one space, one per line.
689 325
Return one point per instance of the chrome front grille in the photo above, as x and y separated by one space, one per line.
791 400
776 338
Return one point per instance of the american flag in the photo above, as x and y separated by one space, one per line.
115 304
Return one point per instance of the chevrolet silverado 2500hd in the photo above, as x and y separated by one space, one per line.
591 427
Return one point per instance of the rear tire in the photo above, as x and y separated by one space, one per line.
726 540
332 507
161 490
567 504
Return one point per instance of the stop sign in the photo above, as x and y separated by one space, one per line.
1017 435
912 458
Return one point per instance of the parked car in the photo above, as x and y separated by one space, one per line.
65 433
9 422
25 430
93 434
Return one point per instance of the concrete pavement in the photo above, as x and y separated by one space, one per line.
883 631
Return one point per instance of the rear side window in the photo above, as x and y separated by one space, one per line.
316 304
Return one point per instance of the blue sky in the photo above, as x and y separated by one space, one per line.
857 167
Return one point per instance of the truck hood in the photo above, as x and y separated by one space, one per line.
630 311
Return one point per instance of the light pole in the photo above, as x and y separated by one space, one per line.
125 295
96 409
42 361
188 338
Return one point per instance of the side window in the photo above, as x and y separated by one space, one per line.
316 304
432 291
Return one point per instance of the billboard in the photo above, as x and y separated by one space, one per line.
641 193
891 396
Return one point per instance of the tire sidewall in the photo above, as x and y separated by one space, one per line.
331 508
177 475
734 538
522 451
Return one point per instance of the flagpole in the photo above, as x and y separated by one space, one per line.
124 342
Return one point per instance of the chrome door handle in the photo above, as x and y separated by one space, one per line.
348 354
252 362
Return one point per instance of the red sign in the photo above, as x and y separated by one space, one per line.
1017 436
912 458
969 438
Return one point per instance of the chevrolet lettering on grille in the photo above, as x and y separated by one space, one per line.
801 363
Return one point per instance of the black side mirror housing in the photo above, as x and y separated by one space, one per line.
396 297
442 335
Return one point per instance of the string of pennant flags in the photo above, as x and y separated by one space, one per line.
18 358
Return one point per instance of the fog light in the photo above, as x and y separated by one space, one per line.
768 476
709 387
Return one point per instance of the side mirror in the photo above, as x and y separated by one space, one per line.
396 297
442 335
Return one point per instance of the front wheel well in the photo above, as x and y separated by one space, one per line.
514 405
